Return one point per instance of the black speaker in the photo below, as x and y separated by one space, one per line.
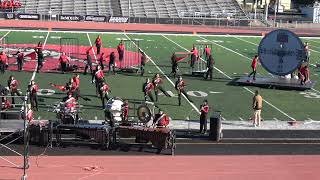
215 126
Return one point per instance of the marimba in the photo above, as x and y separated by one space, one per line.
160 138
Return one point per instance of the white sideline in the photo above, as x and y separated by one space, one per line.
142 33
231 78
194 107
257 45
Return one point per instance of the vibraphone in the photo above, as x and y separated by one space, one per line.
98 133
161 138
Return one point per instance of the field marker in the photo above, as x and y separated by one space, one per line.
94 53
212 92
230 77
194 107
241 119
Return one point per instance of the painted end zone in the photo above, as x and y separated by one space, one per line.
52 54
166 167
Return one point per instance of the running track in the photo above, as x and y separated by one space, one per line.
168 168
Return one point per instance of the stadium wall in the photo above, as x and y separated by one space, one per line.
153 28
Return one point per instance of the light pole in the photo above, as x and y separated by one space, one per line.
129 10
255 9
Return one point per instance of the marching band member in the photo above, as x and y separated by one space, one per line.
88 63
204 109
40 55
71 103
125 111
3 62
147 88
121 49
174 63
304 74
143 62
20 60
98 43
99 78
5 104
161 120
100 60
210 63
64 60
13 85
254 67
30 116
157 81
112 62
207 52
75 86
180 85
307 52
33 89
194 56
104 93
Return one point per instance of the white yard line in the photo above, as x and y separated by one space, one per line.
257 45
5 35
194 107
273 106
94 53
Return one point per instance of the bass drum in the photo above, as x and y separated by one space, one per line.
144 114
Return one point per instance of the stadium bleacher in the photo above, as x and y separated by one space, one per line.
138 8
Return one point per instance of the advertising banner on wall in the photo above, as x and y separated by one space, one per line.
96 18
114 19
70 17
28 16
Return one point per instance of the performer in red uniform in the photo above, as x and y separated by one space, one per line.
125 111
104 93
254 67
5 104
33 89
207 52
194 56
71 103
98 43
157 83
180 85
161 120
3 62
64 60
99 78
13 85
30 114
304 74
121 49
147 88
204 109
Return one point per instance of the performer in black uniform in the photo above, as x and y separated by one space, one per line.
157 81
210 63
89 63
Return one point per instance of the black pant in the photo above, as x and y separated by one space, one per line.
86 68
98 83
254 72
180 92
103 97
40 65
203 123
20 64
63 67
148 94
209 73
156 91
101 64
2 67
98 48
142 70
193 60
174 71
34 101
13 93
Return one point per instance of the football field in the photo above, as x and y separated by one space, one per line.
232 56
